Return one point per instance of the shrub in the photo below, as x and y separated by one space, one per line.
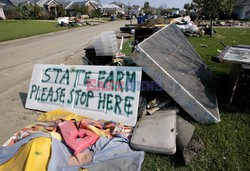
14 12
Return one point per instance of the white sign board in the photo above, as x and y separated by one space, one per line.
98 92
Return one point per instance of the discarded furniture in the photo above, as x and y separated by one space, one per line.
185 132
156 133
143 33
92 59
239 76
127 29
240 84
129 25
170 60
235 55
101 49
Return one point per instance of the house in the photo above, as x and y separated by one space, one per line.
70 7
2 16
6 4
241 9
49 6
91 7
112 9
121 5
136 10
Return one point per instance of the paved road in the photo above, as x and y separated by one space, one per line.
16 63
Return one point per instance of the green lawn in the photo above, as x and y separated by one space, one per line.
14 29
227 143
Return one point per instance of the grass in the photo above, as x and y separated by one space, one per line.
14 29
228 142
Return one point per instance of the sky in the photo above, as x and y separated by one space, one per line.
154 3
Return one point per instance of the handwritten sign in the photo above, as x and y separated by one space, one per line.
98 92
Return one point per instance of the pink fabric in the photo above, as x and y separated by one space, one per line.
77 140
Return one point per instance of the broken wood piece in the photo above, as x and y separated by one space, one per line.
158 107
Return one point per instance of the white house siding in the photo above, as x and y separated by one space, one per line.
1 12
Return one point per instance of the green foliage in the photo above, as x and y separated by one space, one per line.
80 9
60 11
25 11
14 12
165 11
97 13
37 11
212 8
146 7
190 7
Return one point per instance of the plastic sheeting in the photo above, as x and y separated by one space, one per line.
59 114
65 20
32 156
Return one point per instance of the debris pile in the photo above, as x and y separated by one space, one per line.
142 104
74 22
189 28
228 23
61 140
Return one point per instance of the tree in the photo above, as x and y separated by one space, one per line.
60 11
82 9
190 7
38 12
212 8
97 13
187 6
14 12
146 7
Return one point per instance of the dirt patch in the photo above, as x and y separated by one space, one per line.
194 147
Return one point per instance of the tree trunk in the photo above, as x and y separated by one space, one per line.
211 27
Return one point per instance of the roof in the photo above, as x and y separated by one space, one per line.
66 4
135 7
48 1
6 2
120 4
17 2
94 3
72 4
111 6
38 2
241 2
